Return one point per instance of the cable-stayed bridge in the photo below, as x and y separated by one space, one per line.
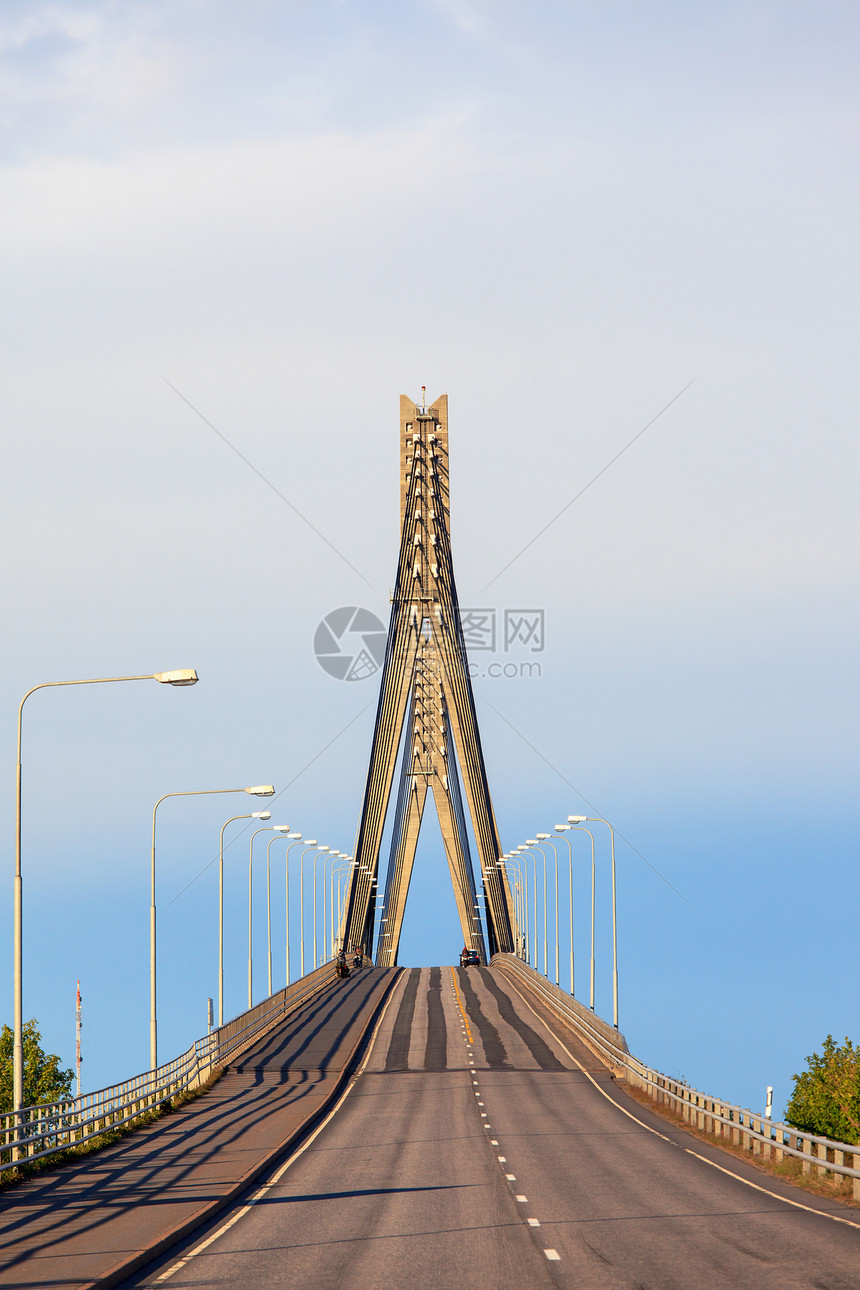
439 1126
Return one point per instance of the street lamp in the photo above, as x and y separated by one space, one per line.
328 885
279 828
258 790
310 844
320 852
525 852
545 837
284 831
513 858
577 829
598 819
533 842
562 828
344 875
297 836
254 815
184 676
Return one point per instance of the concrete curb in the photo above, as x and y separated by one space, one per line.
120 1271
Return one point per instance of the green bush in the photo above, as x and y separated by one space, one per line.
44 1080
826 1097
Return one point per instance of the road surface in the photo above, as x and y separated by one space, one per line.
483 1146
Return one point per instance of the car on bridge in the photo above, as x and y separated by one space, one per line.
470 958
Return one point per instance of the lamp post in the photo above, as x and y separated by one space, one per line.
545 837
321 851
254 815
533 842
185 676
526 853
284 831
335 880
309 846
280 828
297 836
591 835
344 876
517 855
512 857
563 828
522 907
328 885
598 819
258 790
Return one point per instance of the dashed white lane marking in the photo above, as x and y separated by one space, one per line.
532 1222
796 1204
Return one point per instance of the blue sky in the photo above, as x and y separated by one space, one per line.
562 214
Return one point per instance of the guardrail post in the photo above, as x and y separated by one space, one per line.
806 1148
855 1164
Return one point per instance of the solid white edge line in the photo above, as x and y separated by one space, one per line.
261 1191
809 1209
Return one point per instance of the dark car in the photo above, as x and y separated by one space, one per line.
470 958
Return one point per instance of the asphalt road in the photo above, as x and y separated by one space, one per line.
482 1147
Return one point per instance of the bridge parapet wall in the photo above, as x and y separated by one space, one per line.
49 1127
737 1125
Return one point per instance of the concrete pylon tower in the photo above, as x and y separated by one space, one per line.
425 675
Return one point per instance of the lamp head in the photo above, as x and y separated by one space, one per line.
561 828
311 842
294 835
281 828
532 842
577 819
261 790
261 815
542 837
185 676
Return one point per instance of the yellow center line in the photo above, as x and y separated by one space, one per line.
460 1002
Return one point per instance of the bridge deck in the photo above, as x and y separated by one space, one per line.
75 1225
480 1143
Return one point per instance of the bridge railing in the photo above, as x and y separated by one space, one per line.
49 1127
736 1124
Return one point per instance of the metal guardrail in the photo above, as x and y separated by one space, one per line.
737 1124
49 1127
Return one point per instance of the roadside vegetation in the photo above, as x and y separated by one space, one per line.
44 1078
826 1096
